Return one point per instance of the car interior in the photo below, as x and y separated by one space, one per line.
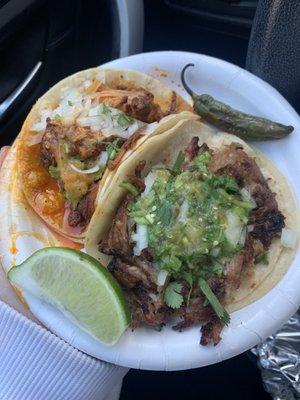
43 41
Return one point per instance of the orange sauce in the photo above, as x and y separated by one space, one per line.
13 248
41 190
162 72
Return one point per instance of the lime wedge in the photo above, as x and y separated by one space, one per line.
79 286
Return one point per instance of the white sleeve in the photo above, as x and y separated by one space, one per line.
37 365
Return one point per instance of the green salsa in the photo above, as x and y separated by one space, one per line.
195 220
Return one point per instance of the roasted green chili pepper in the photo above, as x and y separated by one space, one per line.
222 116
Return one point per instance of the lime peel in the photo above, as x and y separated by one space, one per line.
79 286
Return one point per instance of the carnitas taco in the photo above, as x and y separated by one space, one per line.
195 225
79 132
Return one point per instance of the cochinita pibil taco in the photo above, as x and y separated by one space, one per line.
195 225
82 129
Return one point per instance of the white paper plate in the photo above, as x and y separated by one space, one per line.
170 350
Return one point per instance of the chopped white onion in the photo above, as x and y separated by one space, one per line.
184 208
92 170
70 97
35 139
131 129
94 111
247 196
97 119
161 277
250 228
233 229
41 124
103 159
140 238
95 128
215 251
153 296
288 238
88 121
148 181
76 105
101 163
242 238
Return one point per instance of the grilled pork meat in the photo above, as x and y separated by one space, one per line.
136 179
266 219
84 143
49 144
130 275
211 332
85 208
118 240
81 142
137 275
127 145
138 103
192 149
267 223
147 310
232 161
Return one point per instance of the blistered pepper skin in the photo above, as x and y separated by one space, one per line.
222 116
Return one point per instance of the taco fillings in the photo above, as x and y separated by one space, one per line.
196 227
83 126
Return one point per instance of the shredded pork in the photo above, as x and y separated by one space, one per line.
137 274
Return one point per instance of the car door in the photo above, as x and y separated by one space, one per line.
43 41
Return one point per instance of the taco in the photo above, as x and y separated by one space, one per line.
78 133
196 224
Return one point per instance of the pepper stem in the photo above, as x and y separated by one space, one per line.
184 84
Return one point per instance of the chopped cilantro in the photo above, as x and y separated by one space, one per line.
129 187
70 103
170 262
164 213
262 258
243 204
202 161
178 163
123 120
106 109
58 117
224 182
172 296
54 172
189 278
112 149
217 269
214 302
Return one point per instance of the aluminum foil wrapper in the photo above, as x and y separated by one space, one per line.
278 357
